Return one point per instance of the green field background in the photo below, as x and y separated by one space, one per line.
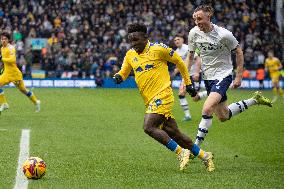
93 138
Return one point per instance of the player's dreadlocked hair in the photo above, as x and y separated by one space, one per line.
206 8
137 27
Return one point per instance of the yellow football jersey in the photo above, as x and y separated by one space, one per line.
151 69
9 60
273 65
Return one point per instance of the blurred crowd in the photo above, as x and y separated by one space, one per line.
87 38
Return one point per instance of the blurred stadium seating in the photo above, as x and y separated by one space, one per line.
87 39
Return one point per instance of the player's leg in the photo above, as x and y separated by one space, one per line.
171 128
157 112
3 101
21 86
183 102
152 124
275 86
217 94
200 95
239 107
261 84
206 121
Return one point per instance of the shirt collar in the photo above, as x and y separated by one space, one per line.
147 47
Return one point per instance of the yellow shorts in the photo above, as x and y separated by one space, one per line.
275 77
5 79
162 103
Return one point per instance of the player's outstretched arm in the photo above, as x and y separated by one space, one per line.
123 73
240 67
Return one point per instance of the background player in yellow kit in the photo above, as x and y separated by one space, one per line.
274 66
11 73
149 62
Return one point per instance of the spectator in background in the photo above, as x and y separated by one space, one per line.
93 24
52 40
260 75
246 74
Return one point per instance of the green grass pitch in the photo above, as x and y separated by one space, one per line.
93 138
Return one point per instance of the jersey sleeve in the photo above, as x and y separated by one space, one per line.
191 43
125 68
230 41
11 58
170 55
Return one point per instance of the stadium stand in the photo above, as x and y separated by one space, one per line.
87 39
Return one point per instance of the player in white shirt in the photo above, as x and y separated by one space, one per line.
182 50
216 45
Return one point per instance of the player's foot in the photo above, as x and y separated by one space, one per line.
209 162
4 106
261 99
37 106
186 118
183 158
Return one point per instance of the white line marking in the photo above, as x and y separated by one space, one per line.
3 129
21 180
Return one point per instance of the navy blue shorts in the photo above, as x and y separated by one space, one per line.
220 87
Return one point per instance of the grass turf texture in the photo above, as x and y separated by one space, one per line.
93 138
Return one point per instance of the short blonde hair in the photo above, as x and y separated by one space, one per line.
205 8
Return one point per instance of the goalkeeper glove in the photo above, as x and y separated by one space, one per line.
191 90
117 79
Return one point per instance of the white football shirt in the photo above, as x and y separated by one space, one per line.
183 51
215 51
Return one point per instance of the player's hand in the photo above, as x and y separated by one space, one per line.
191 90
237 83
117 79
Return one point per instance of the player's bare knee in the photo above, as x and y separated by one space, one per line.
207 110
181 93
148 129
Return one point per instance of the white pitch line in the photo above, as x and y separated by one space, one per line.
21 180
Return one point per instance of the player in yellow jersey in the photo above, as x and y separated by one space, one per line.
274 66
11 73
149 62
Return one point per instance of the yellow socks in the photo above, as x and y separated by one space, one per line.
2 97
32 97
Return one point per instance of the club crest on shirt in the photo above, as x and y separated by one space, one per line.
158 102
